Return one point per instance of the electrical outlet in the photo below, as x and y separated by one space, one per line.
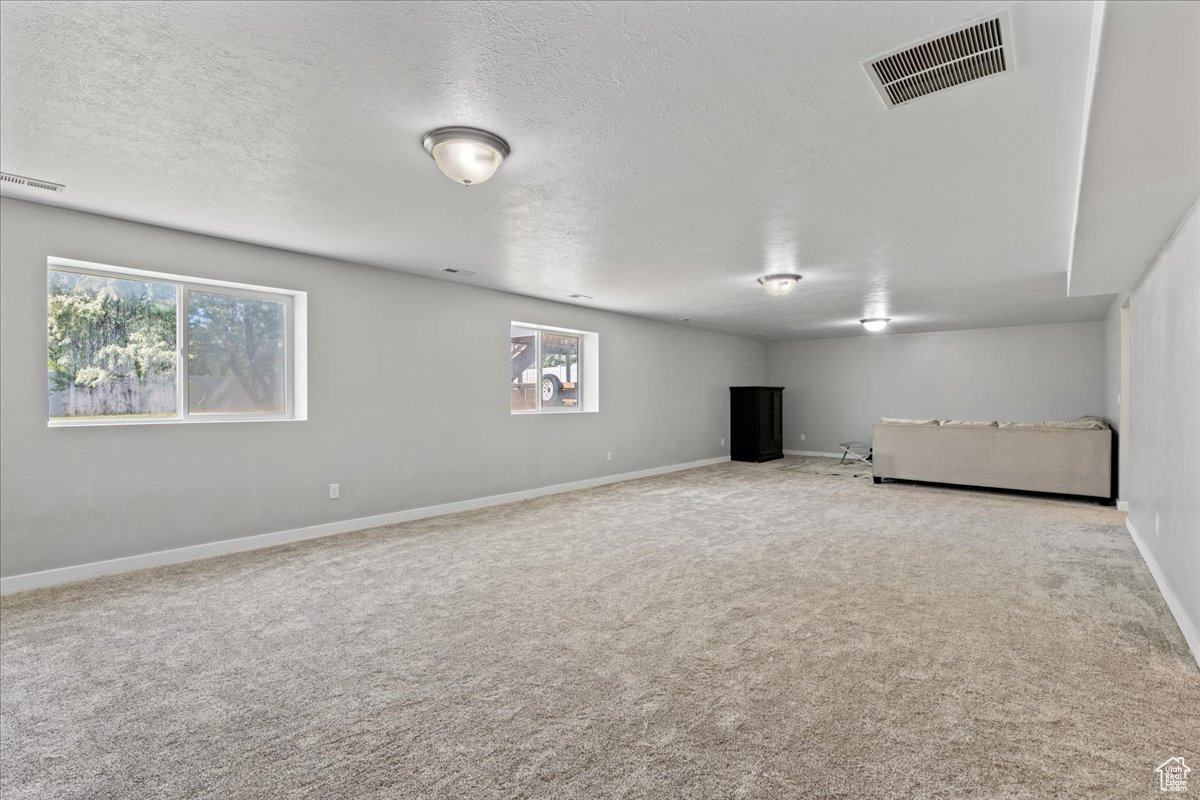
608 457
722 441
802 437
335 491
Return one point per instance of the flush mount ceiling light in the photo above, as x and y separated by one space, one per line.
466 155
875 324
780 284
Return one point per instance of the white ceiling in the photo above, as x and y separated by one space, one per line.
664 155
1141 168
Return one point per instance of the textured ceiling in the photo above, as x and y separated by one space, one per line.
664 155
1141 169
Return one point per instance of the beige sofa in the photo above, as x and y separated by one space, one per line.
1059 457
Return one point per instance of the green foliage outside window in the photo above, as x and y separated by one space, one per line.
111 349
111 345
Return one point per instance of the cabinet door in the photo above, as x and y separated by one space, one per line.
770 415
777 415
766 412
770 424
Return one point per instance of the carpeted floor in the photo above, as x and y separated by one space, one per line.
734 631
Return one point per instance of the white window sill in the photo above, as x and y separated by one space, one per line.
121 423
555 411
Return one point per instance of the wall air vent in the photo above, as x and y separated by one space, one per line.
980 49
33 183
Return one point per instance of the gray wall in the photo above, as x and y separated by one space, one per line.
1112 363
1164 415
837 387
392 439
1112 386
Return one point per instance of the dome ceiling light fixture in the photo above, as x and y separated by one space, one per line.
779 284
875 324
466 155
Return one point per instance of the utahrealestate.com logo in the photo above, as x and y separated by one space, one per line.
1173 775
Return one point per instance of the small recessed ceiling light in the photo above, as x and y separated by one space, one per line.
780 284
875 324
466 155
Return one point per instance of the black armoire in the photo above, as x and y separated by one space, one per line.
755 423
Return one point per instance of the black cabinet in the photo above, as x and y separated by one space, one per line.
755 423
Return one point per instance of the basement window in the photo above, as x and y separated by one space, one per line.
129 346
553 369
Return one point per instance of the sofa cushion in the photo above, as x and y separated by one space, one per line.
1053 423
1081 424
901 421
967 423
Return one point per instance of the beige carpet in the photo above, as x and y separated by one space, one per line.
735 631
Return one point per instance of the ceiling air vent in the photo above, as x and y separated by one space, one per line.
980 49
33 183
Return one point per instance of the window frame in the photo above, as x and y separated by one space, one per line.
184 286
584 390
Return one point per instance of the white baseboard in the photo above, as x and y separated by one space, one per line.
114 566
1177 610
811 453
1122 505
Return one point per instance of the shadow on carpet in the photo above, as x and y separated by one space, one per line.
820 465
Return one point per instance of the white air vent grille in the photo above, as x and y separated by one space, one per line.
33 183
981 49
